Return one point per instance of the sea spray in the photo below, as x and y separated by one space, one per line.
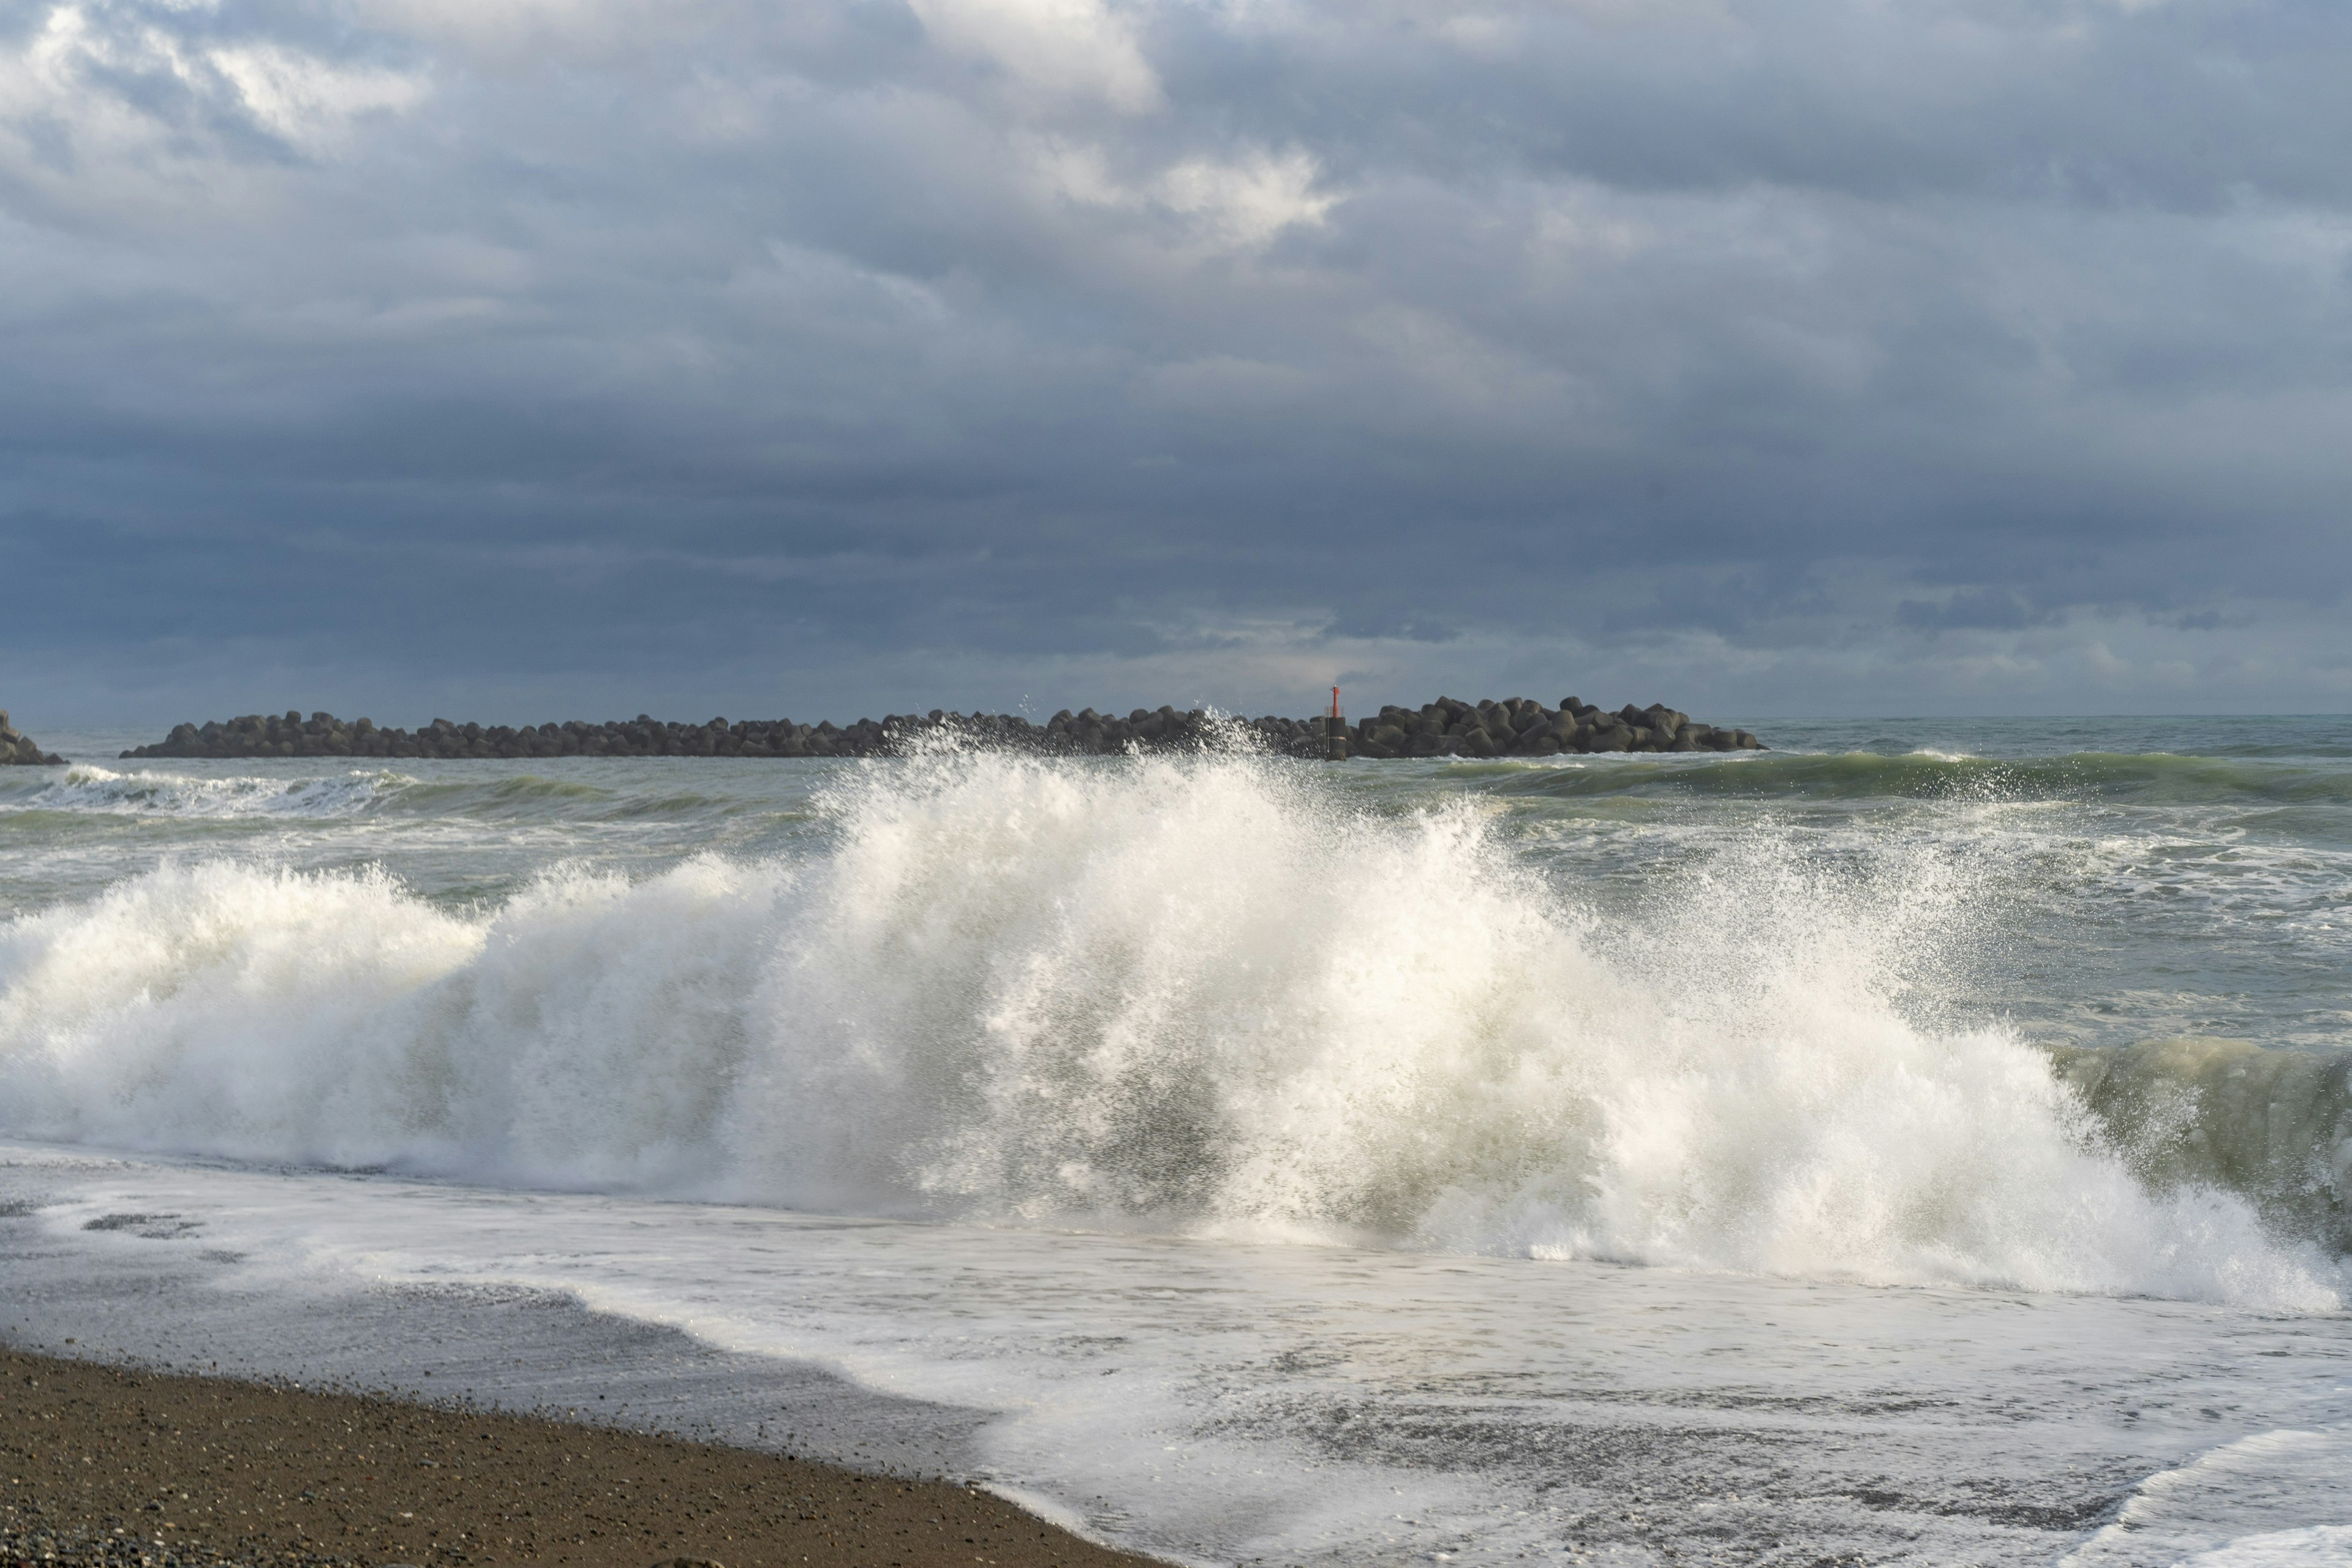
1197 993
2275 1125
578 1034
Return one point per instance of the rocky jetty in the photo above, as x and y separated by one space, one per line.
1445 728
22 751
1522 727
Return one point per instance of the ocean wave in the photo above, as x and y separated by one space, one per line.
89 790
2154 778
2269 1501
1201 993
501 796
2275 1125
85 789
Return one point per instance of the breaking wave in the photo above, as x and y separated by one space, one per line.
488 795
1199 994
85 789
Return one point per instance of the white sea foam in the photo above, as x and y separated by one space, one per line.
1180 994
1221 1402
2269 1501
87 788
2318 1546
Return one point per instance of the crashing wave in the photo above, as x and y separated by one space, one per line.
1198 993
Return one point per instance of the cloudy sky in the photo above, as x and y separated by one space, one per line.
519 359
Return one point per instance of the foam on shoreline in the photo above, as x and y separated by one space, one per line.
1213 1400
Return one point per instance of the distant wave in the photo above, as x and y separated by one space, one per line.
523 793
1201 993
2155 777
87 789
2152 778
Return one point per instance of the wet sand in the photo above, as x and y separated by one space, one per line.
103 1464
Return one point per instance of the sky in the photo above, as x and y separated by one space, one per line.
518 360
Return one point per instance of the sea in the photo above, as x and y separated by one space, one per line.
1746 1158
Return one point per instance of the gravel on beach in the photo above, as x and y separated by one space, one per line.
127 1469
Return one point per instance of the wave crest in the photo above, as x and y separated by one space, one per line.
87 789
1196 993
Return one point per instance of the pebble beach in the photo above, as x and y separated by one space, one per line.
122 1468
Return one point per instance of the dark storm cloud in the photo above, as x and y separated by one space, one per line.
869 353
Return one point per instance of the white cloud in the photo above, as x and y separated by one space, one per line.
1249 201
109 99
308 101
1063 48
1230 204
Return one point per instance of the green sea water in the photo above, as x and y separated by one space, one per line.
2109 879
1924 1141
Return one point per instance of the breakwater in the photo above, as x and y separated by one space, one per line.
17 748
1446 727
1522 727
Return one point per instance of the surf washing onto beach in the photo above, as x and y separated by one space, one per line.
1924 1141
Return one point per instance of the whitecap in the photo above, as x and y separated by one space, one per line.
90 789
1188 994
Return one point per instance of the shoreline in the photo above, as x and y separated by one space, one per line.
122 1465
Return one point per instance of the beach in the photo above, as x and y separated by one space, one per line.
1735 1157
107 1465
